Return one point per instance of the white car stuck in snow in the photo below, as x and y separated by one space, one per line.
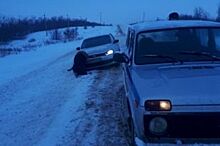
172 81
100 50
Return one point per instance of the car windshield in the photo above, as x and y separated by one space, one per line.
96 41
185 44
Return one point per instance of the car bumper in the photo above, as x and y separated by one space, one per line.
186 127
99 62
174 142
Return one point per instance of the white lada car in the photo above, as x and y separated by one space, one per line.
172 81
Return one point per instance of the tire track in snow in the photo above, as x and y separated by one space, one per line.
101 123
69 113
111 130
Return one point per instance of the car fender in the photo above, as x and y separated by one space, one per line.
134 109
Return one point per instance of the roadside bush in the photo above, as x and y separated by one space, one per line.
56 35
9 51
71 34
31 40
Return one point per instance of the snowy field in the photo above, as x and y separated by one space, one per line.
44 105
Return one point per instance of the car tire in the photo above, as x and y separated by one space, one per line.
80 62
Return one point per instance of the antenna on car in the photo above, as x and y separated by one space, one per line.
174 16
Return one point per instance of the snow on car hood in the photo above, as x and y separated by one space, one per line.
100 49
181 85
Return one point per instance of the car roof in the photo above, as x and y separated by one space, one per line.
155 25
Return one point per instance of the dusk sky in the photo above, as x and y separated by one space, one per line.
113 11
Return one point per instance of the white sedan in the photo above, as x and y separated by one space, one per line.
100 50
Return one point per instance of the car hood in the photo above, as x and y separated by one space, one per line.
182 85
100 49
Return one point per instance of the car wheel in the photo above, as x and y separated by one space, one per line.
80 62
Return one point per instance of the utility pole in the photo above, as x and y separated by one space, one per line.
100 16
45 24
143 16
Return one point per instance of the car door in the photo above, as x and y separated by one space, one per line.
127 70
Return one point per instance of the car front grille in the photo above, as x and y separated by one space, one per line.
183 125
96 55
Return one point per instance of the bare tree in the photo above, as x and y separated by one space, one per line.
200 14
186 17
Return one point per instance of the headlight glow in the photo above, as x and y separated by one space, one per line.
165 105
109 52
158 105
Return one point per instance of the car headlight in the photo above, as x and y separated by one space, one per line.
109 52
158 105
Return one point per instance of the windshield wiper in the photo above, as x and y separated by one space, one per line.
206 54
173 59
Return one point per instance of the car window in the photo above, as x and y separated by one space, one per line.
174 42
96 41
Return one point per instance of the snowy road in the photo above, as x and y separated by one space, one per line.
33 103
49 106
101 124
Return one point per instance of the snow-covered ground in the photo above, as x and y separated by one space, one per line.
44 105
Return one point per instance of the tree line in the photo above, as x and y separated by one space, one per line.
17 28
200 14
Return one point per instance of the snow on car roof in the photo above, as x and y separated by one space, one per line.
154 25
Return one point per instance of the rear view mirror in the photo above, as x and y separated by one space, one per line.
120 58
78 48
115 41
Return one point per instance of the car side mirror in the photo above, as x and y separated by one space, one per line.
115 41
78 48
120 58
